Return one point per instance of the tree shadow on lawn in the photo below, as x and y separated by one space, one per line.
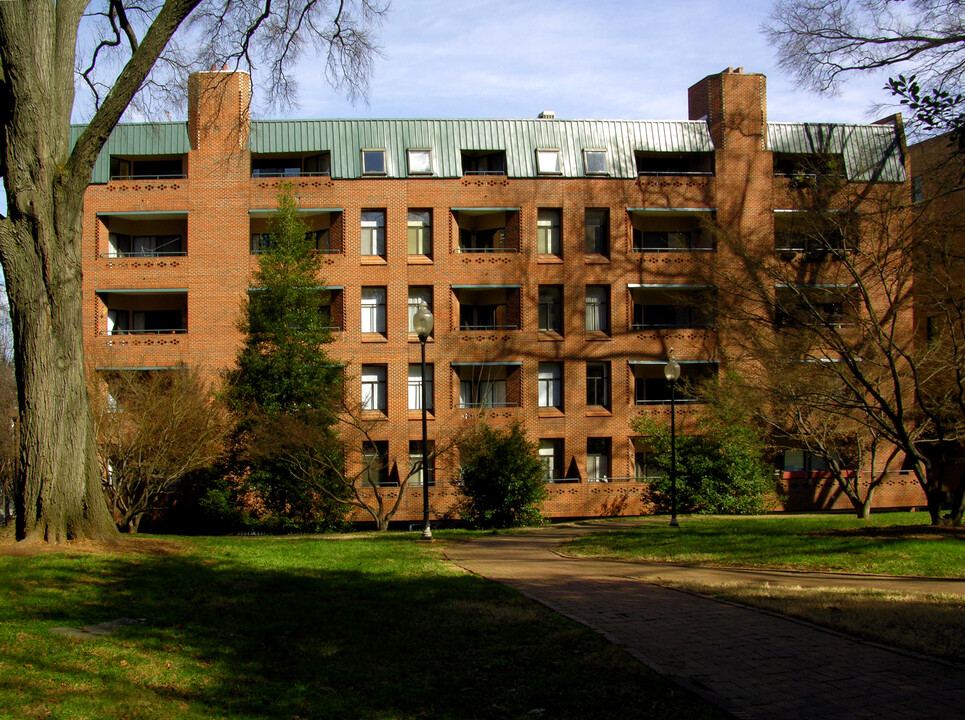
224 637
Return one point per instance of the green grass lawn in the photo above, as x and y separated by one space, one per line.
302 627
887 544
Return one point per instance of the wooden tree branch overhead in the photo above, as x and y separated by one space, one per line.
125 53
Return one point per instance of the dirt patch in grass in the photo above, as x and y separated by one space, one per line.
910 532
125 545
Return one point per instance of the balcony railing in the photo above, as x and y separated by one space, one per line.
178 176
488 326
462 249
113 254
156 331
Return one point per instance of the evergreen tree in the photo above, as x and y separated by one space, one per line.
284 384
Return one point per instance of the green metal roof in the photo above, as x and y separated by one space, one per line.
871 152
160 138
344 139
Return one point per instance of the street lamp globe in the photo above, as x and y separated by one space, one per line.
422 321
671 370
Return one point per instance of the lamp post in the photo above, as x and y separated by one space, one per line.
671 371
422 323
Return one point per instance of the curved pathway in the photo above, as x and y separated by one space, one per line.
751 663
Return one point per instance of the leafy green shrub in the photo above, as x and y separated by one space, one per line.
502 479
720 468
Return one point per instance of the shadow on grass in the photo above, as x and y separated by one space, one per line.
302 628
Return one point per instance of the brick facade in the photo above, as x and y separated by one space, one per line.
218 204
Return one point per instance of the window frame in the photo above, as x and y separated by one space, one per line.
365 153
416 296
415 384
545 154
423 238
597 302
602 242
549 385
372 225
377 301
553 310
374 377
410 153
601 385
550 220
591 152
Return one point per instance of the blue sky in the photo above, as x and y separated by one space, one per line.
601 59
581 58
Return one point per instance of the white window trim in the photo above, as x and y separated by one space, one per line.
385 162
409 154
586 164
540 152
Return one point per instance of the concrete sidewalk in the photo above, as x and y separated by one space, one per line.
751 663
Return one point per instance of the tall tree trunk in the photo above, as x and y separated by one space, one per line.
58 489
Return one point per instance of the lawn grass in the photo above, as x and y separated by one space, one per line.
301 627
886 544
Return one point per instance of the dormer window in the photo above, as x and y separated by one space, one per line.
373 162
548 161
420 161
594 162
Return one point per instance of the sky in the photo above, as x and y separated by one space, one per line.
596 59
603 59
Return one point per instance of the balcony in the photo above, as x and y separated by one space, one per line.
144 234
488 385
487 230
488 307
325 229
812 236
291 165
674 163
658 230
143 312
148 167
672 307
651 387
483 162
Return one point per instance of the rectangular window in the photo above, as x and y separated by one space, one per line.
487 386
373 310
416 475
420 232
374 387
373 162
597 225
373 232
417 296
375 463
420 161
598 308
551 455
548 232
598 384
551 308
548 161
597 459
415 386
550 382
917 190
595 162
260 243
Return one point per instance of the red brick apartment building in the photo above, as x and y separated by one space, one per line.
555 255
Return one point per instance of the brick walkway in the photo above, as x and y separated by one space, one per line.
751 663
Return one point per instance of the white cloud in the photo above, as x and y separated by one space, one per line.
581 58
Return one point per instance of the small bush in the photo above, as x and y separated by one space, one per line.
502 479
720 468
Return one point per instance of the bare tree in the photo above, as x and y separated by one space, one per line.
135 46
836 291
355 472
153 429
821 43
